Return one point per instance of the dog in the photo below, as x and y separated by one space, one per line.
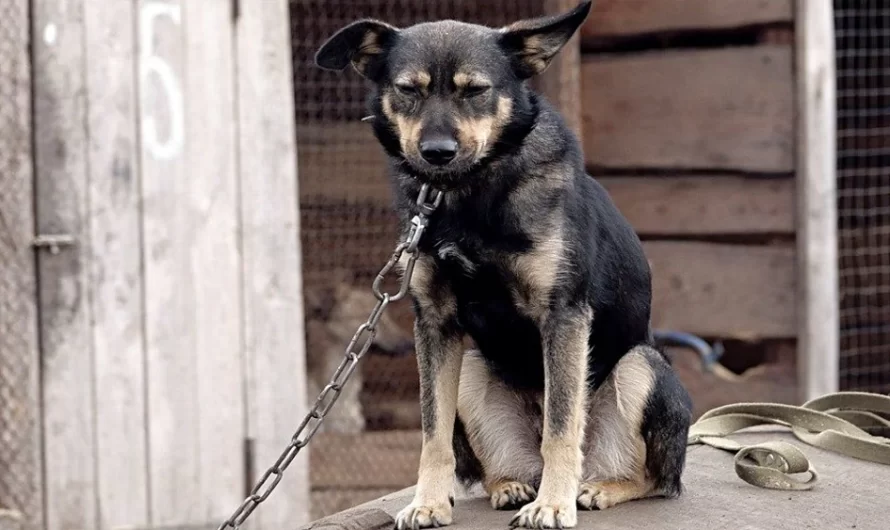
334 312
564 401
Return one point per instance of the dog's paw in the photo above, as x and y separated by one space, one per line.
424 515
600 495
542 514
511 494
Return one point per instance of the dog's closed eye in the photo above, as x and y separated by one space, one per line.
408 89
475 90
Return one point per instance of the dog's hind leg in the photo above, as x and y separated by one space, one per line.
636 434
503 430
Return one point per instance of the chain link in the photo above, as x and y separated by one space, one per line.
427 202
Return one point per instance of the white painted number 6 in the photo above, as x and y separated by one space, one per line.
149 64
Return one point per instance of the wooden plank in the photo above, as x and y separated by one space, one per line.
341 161
192 275
170 302
704 205
714 493
386 459
62 182
729 291
273 309
21 482
818 305
727 109
211 153
115 267
328 503
625 17
561 82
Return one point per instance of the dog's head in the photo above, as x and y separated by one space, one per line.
450 94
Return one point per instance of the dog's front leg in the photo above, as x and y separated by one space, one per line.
439 355
565 335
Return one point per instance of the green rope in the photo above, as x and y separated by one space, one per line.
835 422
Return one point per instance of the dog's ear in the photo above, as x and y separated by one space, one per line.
363 43
532 44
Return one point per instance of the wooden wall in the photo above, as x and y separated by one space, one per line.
170 328
688 120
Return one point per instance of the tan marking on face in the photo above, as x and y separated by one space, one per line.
419 78
407 128
481 133
465 79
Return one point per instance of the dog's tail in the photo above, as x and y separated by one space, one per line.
468 468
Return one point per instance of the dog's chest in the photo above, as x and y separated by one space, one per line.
495 310
486 283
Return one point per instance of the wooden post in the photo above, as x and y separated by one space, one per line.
273 307
561 82
62 183
817 254
115 283
21 471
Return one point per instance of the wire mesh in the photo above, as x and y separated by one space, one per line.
19 465
348 231
863 135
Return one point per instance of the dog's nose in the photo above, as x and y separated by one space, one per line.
439 151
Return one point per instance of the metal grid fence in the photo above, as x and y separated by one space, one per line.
348 231
19 415
863 134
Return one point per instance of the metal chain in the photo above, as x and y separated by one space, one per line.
427 201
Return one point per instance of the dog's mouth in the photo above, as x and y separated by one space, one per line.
453 176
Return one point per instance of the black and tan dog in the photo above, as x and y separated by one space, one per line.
565 402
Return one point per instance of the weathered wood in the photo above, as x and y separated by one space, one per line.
169 282
341 161
561 82
170 304
730 291
115 265
192 274
60 150
818 305
713 109
704 205
382 459
625 17
211 154
714 497
273 312
21 482
365 519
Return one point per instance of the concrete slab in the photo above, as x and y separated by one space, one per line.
851 494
